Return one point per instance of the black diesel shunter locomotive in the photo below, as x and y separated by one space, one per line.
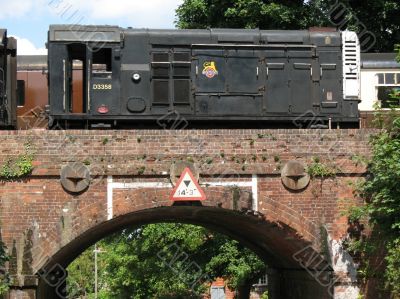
8 80
129 76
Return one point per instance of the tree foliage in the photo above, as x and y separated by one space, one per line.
239 14
237 264
163 261
382 191
380 17
81 275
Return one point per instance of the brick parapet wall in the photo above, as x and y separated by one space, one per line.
244 151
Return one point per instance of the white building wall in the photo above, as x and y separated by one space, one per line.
368 89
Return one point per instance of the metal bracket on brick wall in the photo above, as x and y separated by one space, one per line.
75 177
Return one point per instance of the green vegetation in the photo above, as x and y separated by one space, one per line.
209 160
86 162
18 167
378 16
318 169
163 261
105 141
392 273
4 278
359 160
381 191
81 275
141 170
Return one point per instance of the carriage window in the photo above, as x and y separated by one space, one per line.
20 93
102 63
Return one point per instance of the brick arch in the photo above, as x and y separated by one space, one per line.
275 237
275 242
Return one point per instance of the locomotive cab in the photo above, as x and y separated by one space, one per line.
85 63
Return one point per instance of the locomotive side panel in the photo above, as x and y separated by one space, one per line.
227 81
57 67
205 75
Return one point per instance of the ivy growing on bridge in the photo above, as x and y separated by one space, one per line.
321 170
18 167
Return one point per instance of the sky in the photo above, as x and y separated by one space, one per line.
29 20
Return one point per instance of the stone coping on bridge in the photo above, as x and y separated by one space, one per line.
197 131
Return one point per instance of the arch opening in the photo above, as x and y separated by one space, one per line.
278 245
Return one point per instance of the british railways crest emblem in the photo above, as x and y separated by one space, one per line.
209 70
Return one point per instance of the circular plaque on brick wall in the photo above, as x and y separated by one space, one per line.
294 176
75 177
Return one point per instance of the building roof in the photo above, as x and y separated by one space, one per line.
379 61
32 62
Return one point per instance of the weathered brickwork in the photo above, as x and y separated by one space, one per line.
42 224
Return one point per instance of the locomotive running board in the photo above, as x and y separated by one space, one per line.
252 46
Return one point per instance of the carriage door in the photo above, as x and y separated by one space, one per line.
103 84
277 94
301 79
330 95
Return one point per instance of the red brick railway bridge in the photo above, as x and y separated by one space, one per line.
299 233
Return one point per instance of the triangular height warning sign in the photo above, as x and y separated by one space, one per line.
187 188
